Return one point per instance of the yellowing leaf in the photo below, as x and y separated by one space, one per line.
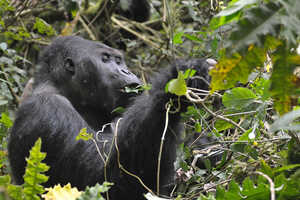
61 193
283 87
236 68
69 27
84 135
220 72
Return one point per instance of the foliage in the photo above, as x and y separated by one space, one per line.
11 76
83 135
257 77
178 86
266 29
95 193
42 27
33 177
259 188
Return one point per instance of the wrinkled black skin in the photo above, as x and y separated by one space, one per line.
76 87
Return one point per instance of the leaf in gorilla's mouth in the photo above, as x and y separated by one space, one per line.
133 88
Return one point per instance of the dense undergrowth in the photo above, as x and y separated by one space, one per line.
252 109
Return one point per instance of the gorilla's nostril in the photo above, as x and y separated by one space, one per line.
132 85
125 71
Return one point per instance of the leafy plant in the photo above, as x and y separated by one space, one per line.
95 193
33 177
264 29
11 76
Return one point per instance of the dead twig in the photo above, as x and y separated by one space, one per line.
125 27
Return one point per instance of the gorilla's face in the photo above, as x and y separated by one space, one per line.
93 74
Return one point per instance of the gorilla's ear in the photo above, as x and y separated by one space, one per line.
69 66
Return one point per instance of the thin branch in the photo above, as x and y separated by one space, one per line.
193 97
86 27
161 147
121 166
272 185
145 39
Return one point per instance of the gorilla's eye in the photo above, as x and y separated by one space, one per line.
69 65
118 60
105 57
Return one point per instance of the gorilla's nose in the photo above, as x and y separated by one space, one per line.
129 79
125 71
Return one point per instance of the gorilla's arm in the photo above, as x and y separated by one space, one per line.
141 127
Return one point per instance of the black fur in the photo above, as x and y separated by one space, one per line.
137 10
77 87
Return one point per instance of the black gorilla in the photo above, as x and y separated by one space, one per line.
78 83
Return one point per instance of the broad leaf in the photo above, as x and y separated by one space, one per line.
177 86
238 98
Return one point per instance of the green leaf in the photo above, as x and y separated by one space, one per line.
193 38
5 120
119 109
198 127
256 22
238 98
289 187
265 19
237 6
177 39
33 177
95 193
177 86
42 27
4 180
222 125
216 22
232 193
286 167
253 192
83 135
262 88
189 73
241 147
231 13
266 169
15 192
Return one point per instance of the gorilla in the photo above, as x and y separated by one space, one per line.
77 85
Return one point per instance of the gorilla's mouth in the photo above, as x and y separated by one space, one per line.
132 89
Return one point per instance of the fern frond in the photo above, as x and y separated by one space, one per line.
33 177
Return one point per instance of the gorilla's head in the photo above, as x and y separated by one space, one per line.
88 73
